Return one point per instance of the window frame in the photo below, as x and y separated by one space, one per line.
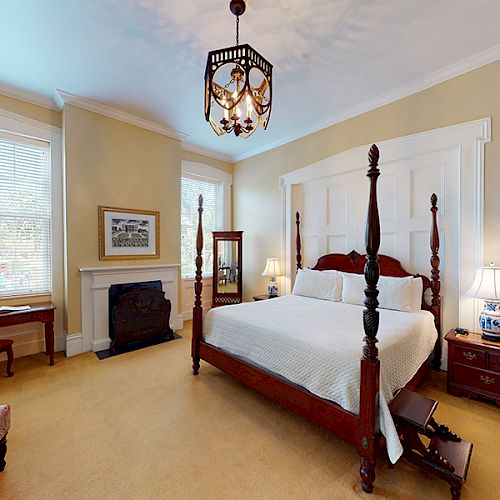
22 126
210 174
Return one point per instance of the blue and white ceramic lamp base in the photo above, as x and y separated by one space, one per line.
489 321
272 287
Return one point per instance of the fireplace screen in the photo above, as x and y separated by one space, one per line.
141 313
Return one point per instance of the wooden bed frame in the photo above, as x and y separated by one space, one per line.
360 430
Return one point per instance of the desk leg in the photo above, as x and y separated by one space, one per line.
49 341
10 359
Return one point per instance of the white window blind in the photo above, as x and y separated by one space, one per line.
213 217
25 206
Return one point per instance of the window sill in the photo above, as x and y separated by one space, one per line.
19 300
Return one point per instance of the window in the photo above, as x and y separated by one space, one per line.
213 220
25 216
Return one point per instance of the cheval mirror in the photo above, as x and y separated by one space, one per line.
227 287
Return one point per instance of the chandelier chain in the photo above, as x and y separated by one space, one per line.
237 30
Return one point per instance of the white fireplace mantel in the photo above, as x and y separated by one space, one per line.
95 284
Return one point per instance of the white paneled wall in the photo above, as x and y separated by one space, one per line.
332 198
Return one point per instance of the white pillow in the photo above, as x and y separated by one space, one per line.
394 293
417 288
325 285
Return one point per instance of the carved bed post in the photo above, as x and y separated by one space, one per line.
435 281
198 309
370 365
298 244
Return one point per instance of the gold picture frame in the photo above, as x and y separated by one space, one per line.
127 234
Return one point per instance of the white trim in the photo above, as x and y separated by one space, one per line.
187 146
207 171
203 170
103 109
95 283
106 269
29 127
101 345
179 324
74 344
447 73
453 70
21 125
27 96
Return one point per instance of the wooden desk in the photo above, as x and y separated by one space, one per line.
39 313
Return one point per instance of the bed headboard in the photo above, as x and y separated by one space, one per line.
353 262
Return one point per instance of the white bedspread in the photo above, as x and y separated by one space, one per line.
317 344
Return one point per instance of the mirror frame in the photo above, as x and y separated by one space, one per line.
223 299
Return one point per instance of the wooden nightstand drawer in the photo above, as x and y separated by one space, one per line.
494 362
468 356
474 377
473 366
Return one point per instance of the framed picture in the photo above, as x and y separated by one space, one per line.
128 234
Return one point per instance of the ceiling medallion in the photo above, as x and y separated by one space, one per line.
238 86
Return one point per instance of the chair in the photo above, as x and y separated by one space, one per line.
6 346
4 429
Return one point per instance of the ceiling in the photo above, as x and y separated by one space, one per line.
331 57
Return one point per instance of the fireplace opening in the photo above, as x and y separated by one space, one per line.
139 315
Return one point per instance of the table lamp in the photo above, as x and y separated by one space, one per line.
486 286
272 270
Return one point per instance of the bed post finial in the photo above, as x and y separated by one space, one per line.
435 281
198 286
298 244
370 365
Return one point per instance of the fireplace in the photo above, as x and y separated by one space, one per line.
139 314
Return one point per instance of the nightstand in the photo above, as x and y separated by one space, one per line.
262 297
473 366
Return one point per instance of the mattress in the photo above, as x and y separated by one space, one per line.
317 344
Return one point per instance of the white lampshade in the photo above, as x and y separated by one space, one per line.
486 285
272 267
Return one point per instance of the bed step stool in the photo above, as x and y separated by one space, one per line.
446 455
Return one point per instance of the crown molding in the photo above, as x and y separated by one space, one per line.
186 146
27 96
63 98
453 70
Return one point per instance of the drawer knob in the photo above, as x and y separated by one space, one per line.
469 355
487 380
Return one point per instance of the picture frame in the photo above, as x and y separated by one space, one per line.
127 234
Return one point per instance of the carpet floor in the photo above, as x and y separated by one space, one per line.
140 426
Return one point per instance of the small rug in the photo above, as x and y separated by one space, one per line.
134 347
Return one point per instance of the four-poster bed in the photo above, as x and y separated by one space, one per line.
362 428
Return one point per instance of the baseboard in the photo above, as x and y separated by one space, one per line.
26 348
101 345
188 315
29 341
60 343
73 344
179 322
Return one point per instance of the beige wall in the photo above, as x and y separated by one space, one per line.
112 163
115 164
257 209
44 115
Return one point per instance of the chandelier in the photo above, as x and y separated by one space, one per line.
238 86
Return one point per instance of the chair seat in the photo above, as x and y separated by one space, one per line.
5 343
4 420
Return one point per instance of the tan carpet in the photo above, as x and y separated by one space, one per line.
141 426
